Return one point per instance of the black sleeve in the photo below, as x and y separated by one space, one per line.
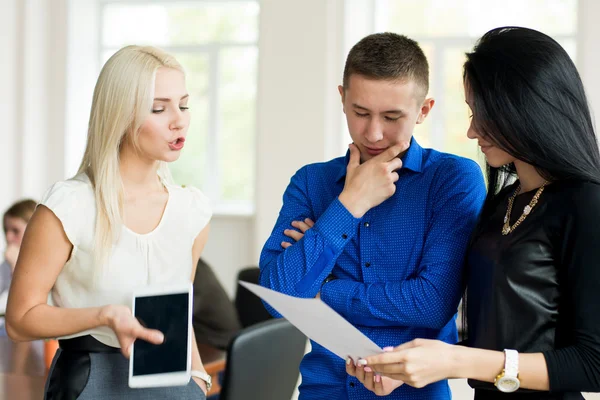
576 367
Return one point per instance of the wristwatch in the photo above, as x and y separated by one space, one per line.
508 380
205 377
329 278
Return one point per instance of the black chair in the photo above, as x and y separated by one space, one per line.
251 309
262 362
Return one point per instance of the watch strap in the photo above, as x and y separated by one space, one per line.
204 376
511 363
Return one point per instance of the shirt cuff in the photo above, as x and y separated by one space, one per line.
337 226
337 294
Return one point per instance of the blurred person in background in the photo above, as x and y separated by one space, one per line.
14 222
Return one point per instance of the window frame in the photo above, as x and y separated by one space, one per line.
212 51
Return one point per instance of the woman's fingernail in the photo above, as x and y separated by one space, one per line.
160 337
348 361
362 361
377 378
367 369
389 348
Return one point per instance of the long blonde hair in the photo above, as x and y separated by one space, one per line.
122 100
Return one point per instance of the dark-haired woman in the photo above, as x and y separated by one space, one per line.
533 266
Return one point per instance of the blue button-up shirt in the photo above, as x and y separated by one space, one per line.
398 268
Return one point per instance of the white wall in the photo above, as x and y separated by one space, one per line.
588 58
10 133
42 111
32 83
300 66
229 248
82 50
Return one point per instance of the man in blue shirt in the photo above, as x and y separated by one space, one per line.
380 234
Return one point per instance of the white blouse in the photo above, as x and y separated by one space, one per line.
163 256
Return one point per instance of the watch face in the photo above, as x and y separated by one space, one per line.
508 384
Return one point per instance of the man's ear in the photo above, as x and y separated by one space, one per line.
343 96
425 109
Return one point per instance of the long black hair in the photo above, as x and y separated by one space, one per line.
527 99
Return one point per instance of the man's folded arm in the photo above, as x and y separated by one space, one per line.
300 269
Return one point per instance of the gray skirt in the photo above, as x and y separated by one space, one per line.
108 380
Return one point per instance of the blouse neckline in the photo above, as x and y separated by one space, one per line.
162 218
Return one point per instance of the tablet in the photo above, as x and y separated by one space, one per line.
168 309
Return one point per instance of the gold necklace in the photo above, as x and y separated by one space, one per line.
506 229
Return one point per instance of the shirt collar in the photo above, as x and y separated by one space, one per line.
412 159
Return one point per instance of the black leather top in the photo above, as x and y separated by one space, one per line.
531 291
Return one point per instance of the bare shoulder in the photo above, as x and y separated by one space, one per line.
46 231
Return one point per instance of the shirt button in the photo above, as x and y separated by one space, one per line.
351 384
367 264
344 236
366 224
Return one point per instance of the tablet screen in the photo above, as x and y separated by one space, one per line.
169 314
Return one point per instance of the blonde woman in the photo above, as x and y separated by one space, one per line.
119 224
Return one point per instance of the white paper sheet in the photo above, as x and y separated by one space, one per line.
319 322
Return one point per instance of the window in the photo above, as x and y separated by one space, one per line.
216 42
446 31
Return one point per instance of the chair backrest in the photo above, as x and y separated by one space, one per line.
251 309
263 362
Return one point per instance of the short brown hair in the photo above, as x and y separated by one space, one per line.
388 56
22 209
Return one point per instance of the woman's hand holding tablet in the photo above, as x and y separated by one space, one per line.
127 328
